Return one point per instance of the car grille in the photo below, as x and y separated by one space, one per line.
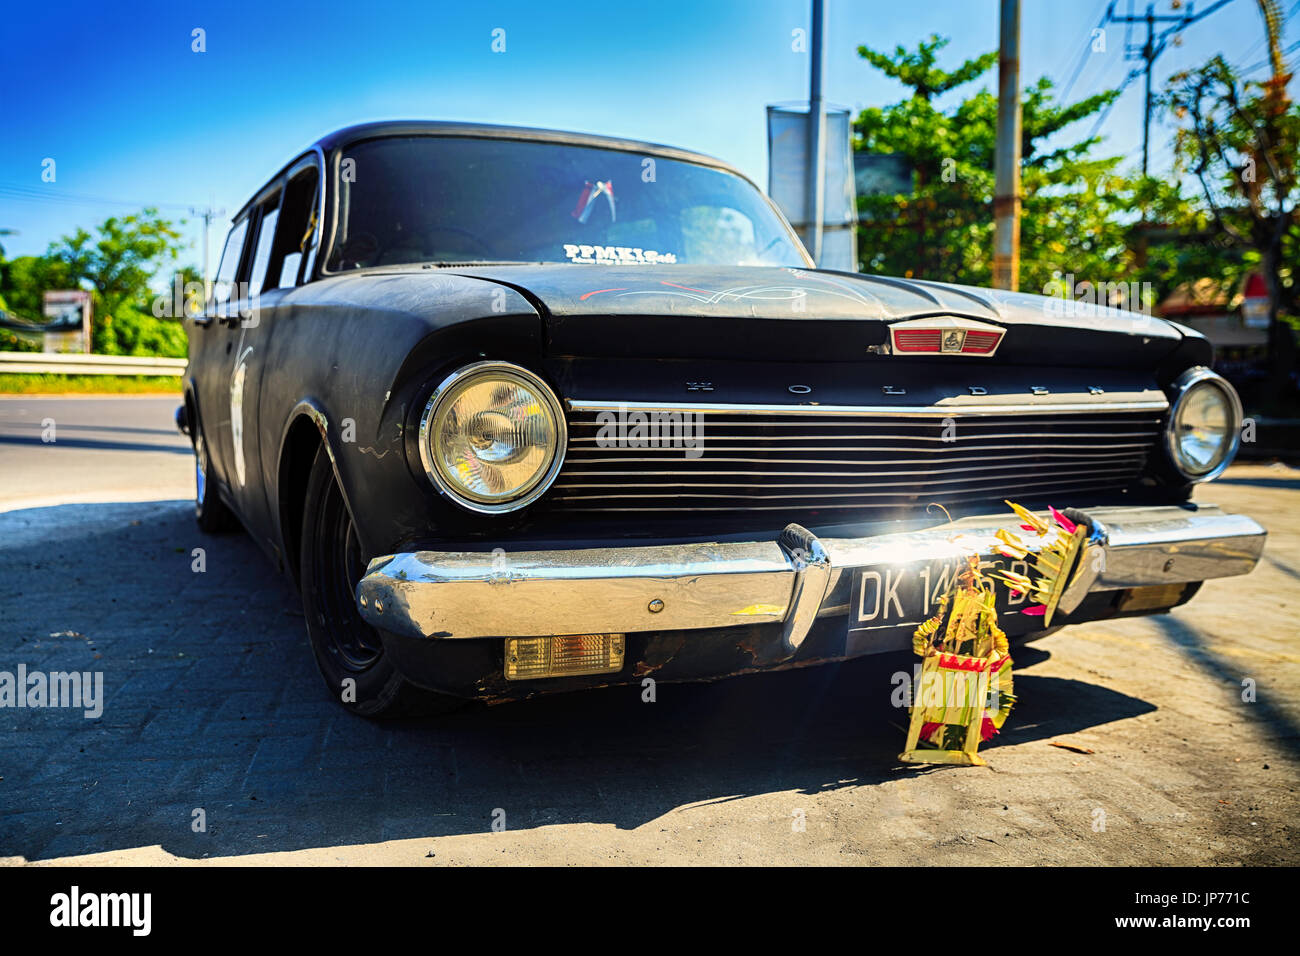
811 463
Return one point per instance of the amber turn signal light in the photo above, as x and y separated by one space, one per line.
567 655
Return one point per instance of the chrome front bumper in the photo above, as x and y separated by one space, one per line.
793 579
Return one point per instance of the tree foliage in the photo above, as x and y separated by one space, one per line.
1078 209
1082 216
917 69
117 263
1241 140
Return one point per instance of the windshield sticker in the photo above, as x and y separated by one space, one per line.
617 255
590 193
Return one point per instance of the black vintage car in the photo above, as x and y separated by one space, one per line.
523 411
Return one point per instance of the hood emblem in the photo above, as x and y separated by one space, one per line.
945 335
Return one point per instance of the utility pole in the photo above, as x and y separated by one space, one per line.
207 214
1151 49
1149 55
1006 196
816 137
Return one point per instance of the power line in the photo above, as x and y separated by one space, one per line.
1250 51
1266 61
1087 48
1132 75
1151 49
21 193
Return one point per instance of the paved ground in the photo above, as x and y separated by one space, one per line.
213 704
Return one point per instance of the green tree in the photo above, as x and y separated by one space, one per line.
917 70
24 281
117 263
1074 205
1241 140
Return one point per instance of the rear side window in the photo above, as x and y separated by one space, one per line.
230 256
262 258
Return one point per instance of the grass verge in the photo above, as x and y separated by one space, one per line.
15 384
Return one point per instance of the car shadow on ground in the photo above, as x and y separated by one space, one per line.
214 713
99 444
1259 481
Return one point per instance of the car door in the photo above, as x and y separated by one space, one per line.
248 328
210 345
280 260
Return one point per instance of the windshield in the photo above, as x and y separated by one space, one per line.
447 199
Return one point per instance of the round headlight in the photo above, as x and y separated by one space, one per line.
492 437
1204 424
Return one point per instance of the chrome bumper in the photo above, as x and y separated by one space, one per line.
792 579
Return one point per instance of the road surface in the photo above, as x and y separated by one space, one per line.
83 448
1131 742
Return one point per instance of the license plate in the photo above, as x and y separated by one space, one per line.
886 597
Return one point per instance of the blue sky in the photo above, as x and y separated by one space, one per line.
129 113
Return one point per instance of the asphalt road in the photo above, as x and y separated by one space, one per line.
64 450
1131 742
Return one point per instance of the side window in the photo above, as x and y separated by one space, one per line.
224 283
262 258
295 239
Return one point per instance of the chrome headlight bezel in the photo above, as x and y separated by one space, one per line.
453 385
1191 381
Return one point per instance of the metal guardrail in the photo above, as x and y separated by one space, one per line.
57 363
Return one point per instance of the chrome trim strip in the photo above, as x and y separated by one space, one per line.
863 440
453 595
847 462
675 454
957 409
898 499
1151 424
896 489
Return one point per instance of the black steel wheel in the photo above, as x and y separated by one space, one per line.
349 652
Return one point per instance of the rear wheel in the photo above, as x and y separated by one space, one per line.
210 511
348 651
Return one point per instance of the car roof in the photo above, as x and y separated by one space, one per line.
363 131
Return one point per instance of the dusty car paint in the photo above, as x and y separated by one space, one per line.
348 361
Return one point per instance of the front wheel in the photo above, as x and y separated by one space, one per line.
348 651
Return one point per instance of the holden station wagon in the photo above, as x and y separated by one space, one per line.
522 411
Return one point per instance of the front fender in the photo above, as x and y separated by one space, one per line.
355 360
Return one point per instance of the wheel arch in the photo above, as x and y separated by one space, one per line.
306 431
190 398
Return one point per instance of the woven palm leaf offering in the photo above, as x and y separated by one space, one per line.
1052 553
965 691
964 694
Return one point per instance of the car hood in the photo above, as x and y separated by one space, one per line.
768 312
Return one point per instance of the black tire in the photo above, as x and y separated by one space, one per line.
210 511
344 645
